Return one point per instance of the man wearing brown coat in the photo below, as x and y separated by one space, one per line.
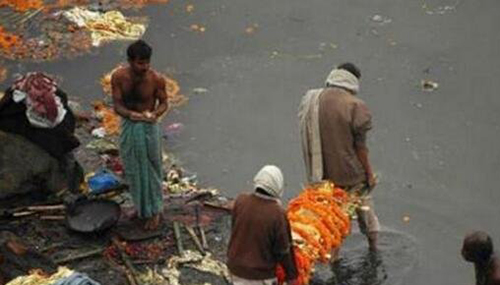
334 123
260 233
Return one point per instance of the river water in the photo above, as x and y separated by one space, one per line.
435 152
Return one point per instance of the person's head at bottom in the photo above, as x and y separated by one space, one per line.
477 247
269 181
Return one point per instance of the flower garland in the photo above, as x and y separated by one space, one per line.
320 220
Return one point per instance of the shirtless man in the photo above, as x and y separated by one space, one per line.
478 249
140 98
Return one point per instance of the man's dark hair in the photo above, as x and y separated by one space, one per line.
478 246
139 50
351 68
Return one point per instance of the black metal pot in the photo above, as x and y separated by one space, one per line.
90 216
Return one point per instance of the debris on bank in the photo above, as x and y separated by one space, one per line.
94 232
41 30
108 26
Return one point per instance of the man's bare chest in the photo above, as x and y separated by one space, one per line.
144 90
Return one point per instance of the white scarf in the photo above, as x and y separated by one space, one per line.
270 179
343 78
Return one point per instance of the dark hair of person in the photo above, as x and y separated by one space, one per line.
262 191
479 246
351 68
139 50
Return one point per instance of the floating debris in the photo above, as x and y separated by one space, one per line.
190 8
200 90
429 85
107 26
250 30
35 29
197 28
40 36
381 20
440 10
173 129
137 4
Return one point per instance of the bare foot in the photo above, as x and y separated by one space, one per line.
152 223
132 215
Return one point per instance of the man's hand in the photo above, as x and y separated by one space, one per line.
135 116
372 181
150 117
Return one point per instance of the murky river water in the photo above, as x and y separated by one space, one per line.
435 151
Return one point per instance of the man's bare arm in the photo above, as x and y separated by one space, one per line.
118 104
162 97
362 153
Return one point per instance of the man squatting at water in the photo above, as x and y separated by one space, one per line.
140 99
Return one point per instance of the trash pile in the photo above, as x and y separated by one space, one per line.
45 30
119 251
108 26
64 276
197 261
320 220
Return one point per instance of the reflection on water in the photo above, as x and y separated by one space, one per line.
397 256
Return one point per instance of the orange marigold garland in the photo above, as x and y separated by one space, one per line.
320 220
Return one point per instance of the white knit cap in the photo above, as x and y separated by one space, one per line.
343 78
270 179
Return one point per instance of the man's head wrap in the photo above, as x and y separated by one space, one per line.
343 78
270 179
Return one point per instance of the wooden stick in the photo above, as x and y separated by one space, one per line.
191 232
23 214
80 256
30 16
198 225
121 269
46 208
204 242
128 264
51 247
52 218
178 238
225 207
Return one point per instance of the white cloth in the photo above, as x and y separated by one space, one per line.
343 78
241 281
270 179
36 120
310 136
111 25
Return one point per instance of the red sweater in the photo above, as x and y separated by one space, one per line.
260 239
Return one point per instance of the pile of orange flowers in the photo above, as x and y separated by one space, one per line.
109 119
319 223
8 41
22 5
